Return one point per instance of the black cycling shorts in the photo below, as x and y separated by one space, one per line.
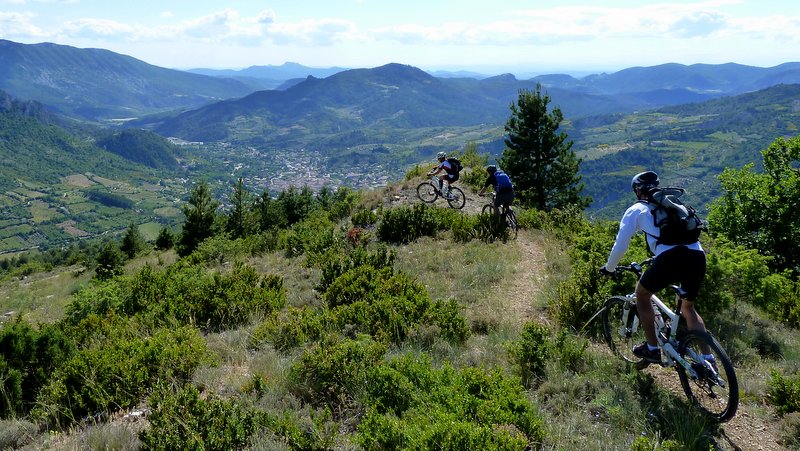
677 265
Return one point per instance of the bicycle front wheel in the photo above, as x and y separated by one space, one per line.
487 209
456 199
716 389
621 327
427 192
511 223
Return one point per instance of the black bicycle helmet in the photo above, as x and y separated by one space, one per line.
644 180
491 169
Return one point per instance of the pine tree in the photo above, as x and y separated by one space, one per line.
109 261
201 213
132 242
165 239
240 221
538 158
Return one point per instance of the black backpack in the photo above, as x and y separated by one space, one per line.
456 164
677 223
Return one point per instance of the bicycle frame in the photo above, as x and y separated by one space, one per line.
666 341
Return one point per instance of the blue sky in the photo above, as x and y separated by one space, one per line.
489 36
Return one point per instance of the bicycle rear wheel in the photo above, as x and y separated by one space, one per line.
427 192
456 199
511 223
621 327
716 389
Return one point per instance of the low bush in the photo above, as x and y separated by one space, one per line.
181 419
412 405
784 392
406 224
532 351
28 357
364 218
389 306
292 328
117 375
333 372
336 265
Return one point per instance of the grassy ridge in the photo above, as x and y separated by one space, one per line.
362 343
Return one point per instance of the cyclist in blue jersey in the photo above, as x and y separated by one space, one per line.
503 188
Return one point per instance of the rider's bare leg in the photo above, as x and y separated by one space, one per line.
693 319
646 315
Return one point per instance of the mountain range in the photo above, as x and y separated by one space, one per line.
67 112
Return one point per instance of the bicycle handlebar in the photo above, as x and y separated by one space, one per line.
634 267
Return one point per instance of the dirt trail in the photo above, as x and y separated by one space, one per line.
749 430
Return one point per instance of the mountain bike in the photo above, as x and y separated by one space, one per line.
428 191
710 383
508 215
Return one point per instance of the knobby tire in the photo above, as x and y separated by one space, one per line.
720 399
620 334
427 192
457 199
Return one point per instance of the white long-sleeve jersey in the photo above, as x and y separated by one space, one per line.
639 217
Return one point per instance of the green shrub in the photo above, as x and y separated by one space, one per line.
581 295
532 351
448 316
364 218
648 444
184 294
490 227
570 351
183 420
336 265
779 296
28 358
355 284
412 405
406 224
464 228
415 172
389 306
12 396
784 392
291 329
334 371
116 376
789 435
313 235
97 298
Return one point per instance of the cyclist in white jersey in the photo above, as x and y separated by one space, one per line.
449 176
684 264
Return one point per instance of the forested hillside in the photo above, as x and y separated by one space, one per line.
57 187
689 145
368 320
96 84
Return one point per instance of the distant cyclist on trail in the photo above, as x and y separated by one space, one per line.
684 264
503 188
450 173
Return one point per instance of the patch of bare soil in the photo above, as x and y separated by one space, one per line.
746 431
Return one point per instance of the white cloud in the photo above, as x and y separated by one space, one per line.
98 28
13 25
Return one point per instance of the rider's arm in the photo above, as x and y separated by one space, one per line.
435 170
628 226
486 185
